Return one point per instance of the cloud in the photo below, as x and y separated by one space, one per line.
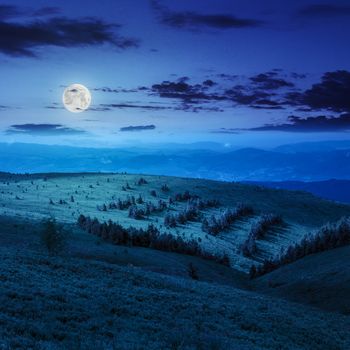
11 11
138 128
43 130
332 93
179 107
99 109
55 105
119 90
24 39
47 11
8 11
254 97
310 124
226 131
272 90
193 20
186 92
133 106
270 81
298 75
324 11
259 92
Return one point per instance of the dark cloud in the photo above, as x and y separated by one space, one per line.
225 131
11 11
332 93
8 11
99 109
298 75
95 109
138 128
259 92
273 90
156 107
55 105
24 39
134 106
270 91
47 11
310 124
270 81
228 76
43 130
186 92
193 20
119 90
324 10
254 97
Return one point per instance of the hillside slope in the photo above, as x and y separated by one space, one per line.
335 190
321 280
68 302
66 196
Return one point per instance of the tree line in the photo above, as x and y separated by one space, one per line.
328 237
150 237
216 224
258 231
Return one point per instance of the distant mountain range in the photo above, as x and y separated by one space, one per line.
299 162
321 146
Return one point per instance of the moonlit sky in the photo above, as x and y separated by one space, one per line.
180 71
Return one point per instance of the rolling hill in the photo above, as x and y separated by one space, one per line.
321 280
98 295
336 190
66 196
148 298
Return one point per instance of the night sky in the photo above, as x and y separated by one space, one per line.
248 72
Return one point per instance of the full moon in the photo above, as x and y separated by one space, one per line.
76 98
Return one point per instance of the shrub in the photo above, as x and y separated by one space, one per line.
142 181
103 207
190 213
215 225
266 221
52 236
139 200
165 188
258 231
249 247
136 212
183 197
192 271
122 204
170 220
